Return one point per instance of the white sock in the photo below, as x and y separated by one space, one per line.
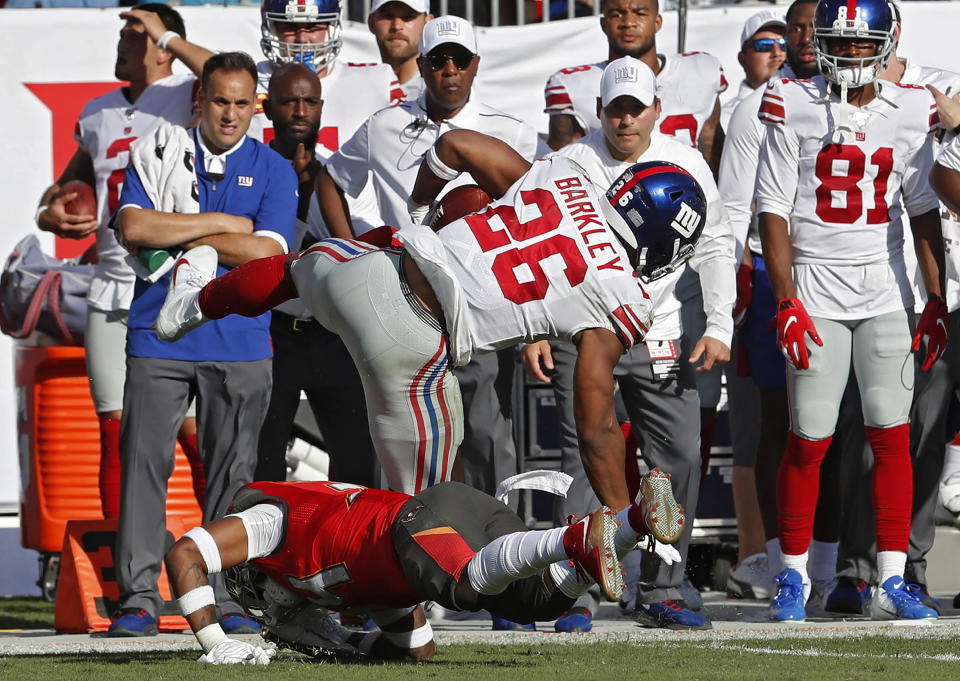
514 556
951 462
773 556
823 560
797 562
626 537
565 579
891 564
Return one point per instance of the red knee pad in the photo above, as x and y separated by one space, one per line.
892 485
798 485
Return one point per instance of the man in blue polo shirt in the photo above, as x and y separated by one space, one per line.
247 210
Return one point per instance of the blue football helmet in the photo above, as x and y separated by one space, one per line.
853 19
658 209
315 55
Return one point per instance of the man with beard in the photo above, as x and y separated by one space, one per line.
307 357
397 26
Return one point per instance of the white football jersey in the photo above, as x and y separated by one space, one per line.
538 263
350 92
947 82
687 85
713 258
950 158
843 201
106 128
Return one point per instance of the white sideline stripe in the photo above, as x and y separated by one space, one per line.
819 652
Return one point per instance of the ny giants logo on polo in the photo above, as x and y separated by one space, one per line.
245 180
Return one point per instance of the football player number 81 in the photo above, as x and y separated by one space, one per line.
847 184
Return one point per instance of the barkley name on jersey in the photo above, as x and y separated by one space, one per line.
540 262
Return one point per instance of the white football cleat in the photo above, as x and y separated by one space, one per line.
180 312
662 514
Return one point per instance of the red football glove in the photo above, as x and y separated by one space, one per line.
793 323
934 324
744 293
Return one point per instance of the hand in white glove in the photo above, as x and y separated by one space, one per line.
666 552
230 651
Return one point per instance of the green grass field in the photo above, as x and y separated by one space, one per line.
904 655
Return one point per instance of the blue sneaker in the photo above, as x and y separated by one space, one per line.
501 624
788 603
574 621
132 622
850 597
669 615
239 624
895 599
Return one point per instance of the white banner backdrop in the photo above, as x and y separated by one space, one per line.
55 60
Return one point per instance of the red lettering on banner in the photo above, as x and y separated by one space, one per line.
66 101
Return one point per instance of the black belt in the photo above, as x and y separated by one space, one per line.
296 323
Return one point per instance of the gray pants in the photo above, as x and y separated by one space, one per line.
232 398
928 438
488 451
666 419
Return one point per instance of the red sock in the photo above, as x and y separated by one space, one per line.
188 443
892 486
631 469
798 484
706 444
110 467
249 290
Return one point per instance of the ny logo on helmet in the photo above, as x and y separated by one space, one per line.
686 221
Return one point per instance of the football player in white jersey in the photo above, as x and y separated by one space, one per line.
841 152
397 25
387 152
150 40
933 392
658 388
689 83
553 258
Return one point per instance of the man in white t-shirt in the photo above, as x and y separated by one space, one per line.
386 152
151 38
656 383
397 25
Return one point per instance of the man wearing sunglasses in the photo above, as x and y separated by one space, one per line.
388 149
763 50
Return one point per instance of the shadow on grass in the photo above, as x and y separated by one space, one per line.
25 613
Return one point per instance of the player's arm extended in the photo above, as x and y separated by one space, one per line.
333 206
777 180
193 56
598 432
493 164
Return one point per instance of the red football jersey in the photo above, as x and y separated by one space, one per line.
337 547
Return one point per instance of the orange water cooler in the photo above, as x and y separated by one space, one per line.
59 446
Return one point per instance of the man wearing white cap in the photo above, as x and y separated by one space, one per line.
762 51
397 26
656 379
388 148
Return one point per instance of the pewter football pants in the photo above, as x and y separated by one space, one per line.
879 348
413 399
